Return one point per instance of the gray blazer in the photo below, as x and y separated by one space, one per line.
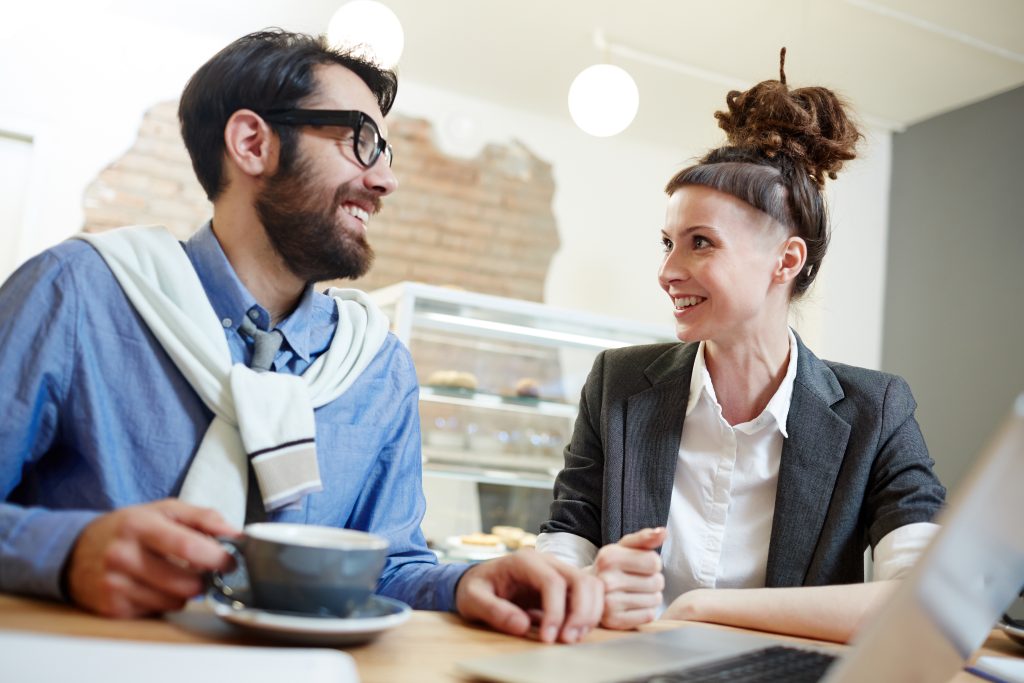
855 465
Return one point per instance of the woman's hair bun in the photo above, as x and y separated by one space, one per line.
810 125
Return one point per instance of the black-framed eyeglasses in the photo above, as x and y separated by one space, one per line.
367 141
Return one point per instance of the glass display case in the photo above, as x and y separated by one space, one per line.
500 381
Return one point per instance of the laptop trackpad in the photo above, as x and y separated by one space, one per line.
615 660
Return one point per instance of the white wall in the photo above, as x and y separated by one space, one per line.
77 79
846 304
80 85
16 157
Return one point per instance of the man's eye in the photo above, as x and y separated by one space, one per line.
339 133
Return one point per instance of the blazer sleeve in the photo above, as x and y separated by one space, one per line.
903 487
577 504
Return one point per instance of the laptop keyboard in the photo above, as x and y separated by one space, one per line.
772 664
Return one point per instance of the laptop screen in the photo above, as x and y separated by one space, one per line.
971 572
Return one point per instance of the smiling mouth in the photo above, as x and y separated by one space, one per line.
684 303
357 212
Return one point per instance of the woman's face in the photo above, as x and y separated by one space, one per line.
721 266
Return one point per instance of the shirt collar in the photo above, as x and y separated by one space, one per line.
777 408
700 381
230 298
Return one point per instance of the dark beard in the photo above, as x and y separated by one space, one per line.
306 235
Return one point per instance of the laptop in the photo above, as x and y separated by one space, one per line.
940 614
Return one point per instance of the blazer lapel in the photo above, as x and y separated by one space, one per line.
654 425
811 458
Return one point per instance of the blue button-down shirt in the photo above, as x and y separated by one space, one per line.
95 416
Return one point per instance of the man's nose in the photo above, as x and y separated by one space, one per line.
380 178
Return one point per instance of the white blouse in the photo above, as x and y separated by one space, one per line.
723 498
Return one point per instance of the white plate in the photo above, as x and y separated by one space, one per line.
455 549
377 616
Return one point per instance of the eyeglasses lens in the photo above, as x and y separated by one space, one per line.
368 144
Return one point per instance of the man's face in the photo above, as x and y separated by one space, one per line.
315 214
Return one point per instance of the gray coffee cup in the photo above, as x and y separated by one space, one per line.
317 570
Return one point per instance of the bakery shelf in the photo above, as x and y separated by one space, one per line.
517 463
482 475
495 402
418 305
490 454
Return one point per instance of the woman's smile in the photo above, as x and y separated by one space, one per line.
684 305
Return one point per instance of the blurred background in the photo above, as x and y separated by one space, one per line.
506 195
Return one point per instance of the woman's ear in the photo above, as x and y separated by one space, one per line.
250 144
792 257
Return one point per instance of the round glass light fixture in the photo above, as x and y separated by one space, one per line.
369 29
603 100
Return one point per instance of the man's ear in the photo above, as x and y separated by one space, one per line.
792 257
250 144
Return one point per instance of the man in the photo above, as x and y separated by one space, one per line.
120 415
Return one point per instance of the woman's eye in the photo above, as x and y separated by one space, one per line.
700 242
666 244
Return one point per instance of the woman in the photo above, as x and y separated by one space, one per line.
750 462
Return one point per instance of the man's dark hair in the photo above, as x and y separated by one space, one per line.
271 69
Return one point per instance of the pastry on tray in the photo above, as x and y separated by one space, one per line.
528 387
480 539
452 379
514 537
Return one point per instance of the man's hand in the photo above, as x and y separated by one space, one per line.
506 592
631 573
146 559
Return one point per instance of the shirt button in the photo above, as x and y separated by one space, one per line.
226 322
254 314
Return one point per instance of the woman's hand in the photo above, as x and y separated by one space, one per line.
631 573
833 613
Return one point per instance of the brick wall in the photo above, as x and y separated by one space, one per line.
152 182
483 224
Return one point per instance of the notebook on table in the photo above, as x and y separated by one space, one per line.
49 658
940 614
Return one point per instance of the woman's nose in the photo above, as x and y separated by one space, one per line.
673 268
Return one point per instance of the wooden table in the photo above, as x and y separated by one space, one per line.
424 649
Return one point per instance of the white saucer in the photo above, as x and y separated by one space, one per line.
377 616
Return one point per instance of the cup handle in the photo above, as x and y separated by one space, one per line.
215 579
